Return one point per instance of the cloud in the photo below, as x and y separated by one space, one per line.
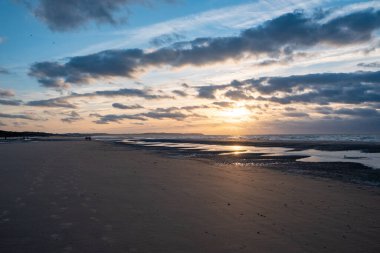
166 39
58 84
325 126
117 118
128 107
192 107
54 102
82 69
280 36
63 101
171 113
237 95
71 117
19 124
97 115
296 114
3 71
17 116
322 88
180 93
10 102
71 14
369 65
6 93
146 94
355 112
209 91
224 104
2 39
183 108
270 85
290 109
2 124
268 62
165 115
282 60
158 113
360 112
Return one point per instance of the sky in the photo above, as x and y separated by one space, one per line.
202 66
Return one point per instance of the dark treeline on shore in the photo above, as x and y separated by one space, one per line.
11 134
5 134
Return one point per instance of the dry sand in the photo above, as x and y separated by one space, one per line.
98 197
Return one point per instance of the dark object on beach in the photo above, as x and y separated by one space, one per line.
88 138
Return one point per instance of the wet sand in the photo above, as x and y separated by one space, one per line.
77 196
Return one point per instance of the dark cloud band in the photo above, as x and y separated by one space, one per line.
17 116
126 107
323 88
64 101
279 36
174 113
6 93
63 15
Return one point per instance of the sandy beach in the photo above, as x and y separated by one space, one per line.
78 196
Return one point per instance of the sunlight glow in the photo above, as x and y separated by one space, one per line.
236 150
236 114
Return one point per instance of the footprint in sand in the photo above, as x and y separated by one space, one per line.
67 249
5 220
108 240
66 225
55 237
4 213
94 219
30 193
55 216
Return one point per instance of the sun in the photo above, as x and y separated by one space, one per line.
235 114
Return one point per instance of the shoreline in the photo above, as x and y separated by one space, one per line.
369 147
323 145
341 171
345 171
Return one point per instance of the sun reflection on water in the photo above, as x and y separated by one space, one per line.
236 149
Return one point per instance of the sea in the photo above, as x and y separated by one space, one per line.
373 138
229 145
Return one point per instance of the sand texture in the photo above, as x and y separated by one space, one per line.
78 196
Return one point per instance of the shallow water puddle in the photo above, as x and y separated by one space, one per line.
355 156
